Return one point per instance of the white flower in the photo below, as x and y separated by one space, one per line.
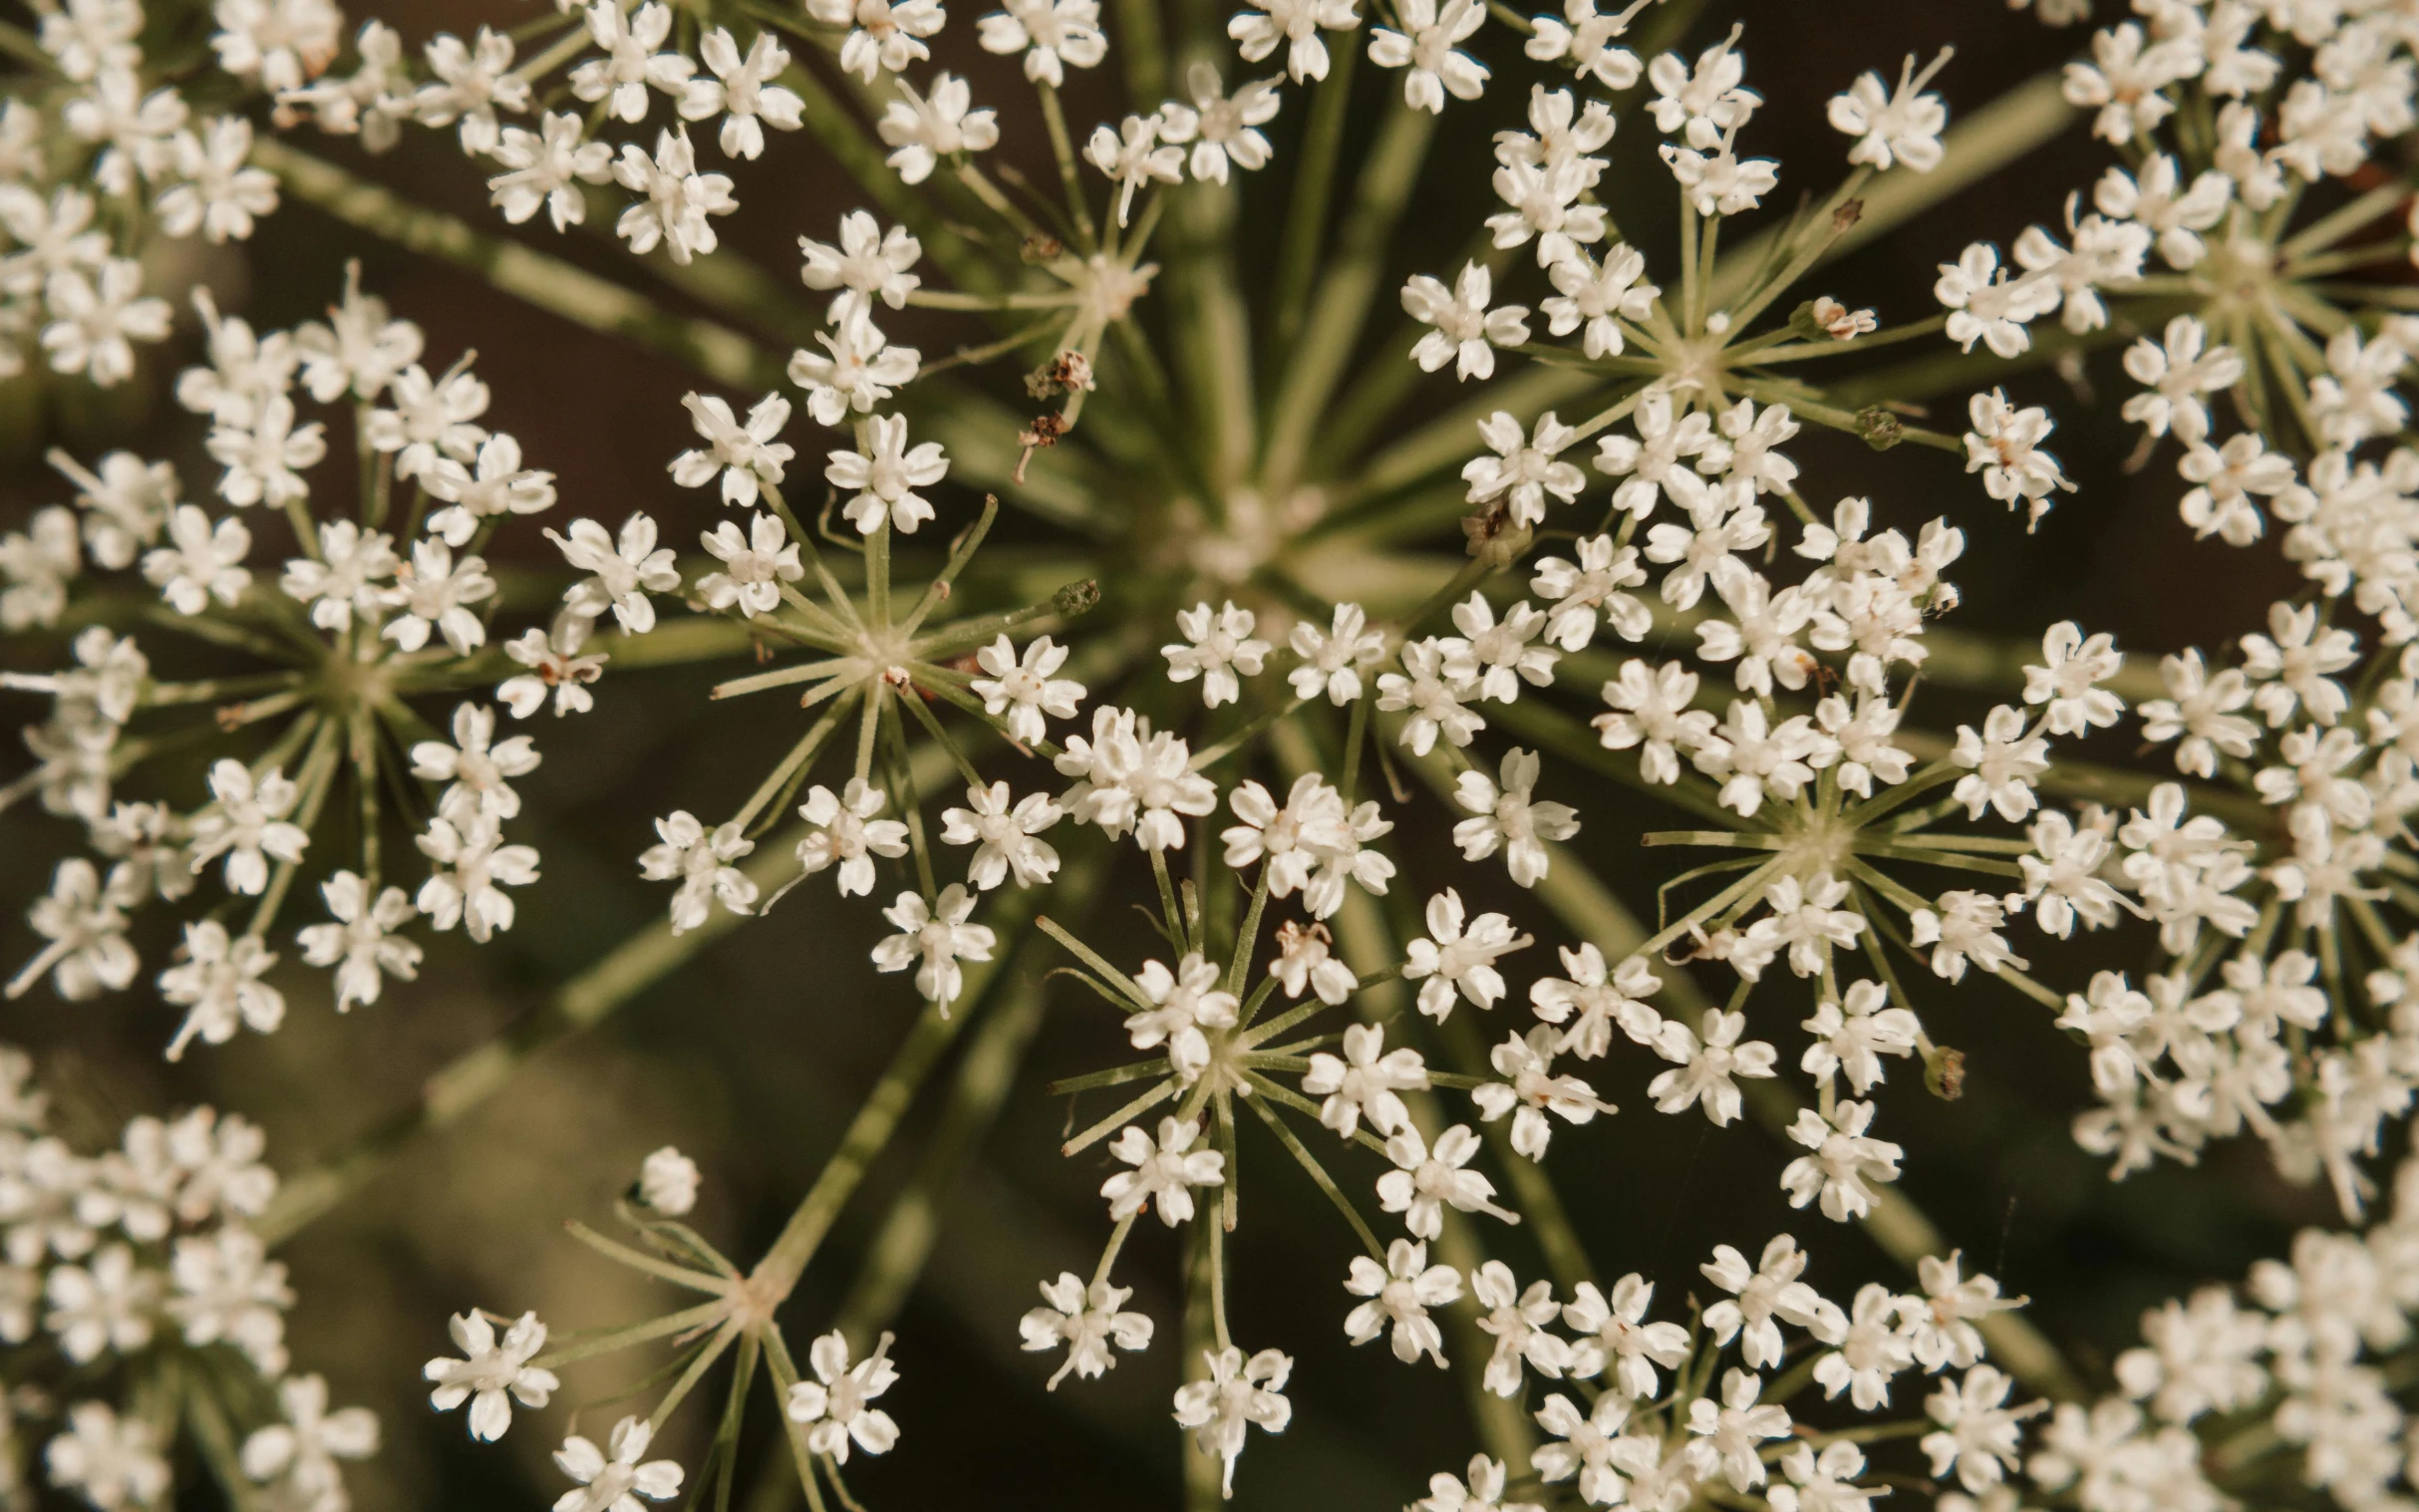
2202 712
1004 835
1600 297
1985 304
1087 1320
1531 1087
361 943
668 1181
1854 1030
2223 479
1425 1180
1333 659
1580 590
1593 1447
344 579
1891 126
1498 655
1023 689
631 62
1305 961
1366 1082
1483 1491
229 1291
626 571
1432 686
882 37
2355 399
1583 38
472 867
112 1462
756 562
1754 760
1510 819
742 89
680 200
1523 471
2124 82
1518 1321
1461 960
493 1375
869 264
1650 711
1869 1348
1978 1433
2291 665
2005 447
1727 1434
431 417
1237 1392
923 128
1399 1294
612 1479
933 940
247 824
1941 1331
37 565
1720 183
1166 1171
1466 332
546 168
265 458
87 36
1295 23
858 369
1050 33
886 474
2068 684
2155 199
1178 1006
1844 1158
1290 840
701 862
555 661
1598 1003
201 562
747 457
96 320
847 834
2003 760
500 486
1133 154
1967 927
1705 102
360 349
86 927
302 1453
222 194
1703 1067
434 591
1428 46
2178 372
475 763
109 1306
1226 130
1615 1335
474 81
1762 1297
1221 646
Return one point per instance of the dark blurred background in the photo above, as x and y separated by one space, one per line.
753 1054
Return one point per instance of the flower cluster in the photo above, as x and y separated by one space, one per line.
158 1306
379 611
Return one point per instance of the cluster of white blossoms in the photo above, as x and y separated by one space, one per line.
2226 251
2293 1382
1745 657
114 148
158 1310
380 609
